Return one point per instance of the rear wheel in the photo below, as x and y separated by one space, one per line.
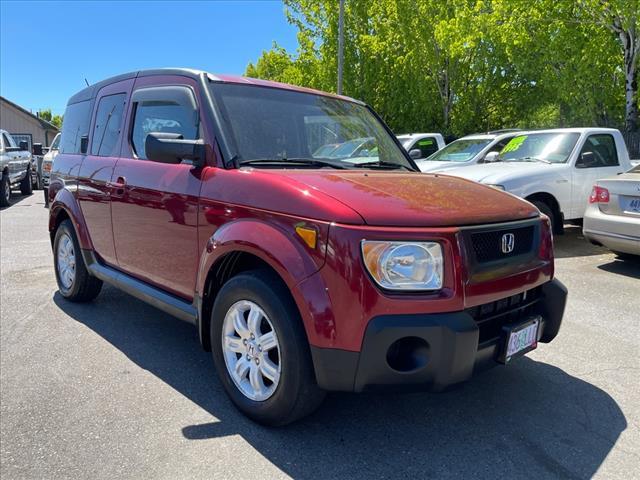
260 350
37 181
26 187
5 191
75 283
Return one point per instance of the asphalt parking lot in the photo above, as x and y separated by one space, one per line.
117 388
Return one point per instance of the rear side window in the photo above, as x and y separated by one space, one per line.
170 109
75 128
427 146
604 150
108 125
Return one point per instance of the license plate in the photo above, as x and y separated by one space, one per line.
631 204
519 339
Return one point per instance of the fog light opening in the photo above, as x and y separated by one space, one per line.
408 354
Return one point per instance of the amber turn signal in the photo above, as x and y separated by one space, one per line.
309 235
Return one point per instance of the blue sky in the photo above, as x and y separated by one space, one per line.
48 48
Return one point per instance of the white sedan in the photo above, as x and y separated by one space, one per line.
612 217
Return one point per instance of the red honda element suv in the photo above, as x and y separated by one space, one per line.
297 235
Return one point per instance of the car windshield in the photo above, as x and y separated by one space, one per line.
635 169
549 147
273 127
461 150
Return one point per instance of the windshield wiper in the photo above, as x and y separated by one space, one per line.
528 159
310 162
381 164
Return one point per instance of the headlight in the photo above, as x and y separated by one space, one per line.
404 265
497 187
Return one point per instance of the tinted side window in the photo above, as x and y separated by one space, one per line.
108 125
603 147
75 127
164 113
427 146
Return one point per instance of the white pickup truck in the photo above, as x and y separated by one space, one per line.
554 169
15 168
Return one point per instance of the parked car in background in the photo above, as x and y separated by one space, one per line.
15 165
421 145
301 274
612 217
468 150
47 164
554 169
37 157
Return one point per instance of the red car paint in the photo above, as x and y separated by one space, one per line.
170 225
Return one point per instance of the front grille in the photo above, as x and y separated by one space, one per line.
491 317
487 246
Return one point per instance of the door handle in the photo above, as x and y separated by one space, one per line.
117 188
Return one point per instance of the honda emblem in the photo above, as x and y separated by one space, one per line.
508 242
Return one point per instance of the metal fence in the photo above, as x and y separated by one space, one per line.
632 139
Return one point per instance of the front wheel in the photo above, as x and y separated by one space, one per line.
26 187
5 191
548 211
260 350
75 283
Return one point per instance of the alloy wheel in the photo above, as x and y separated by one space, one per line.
66 261
251 350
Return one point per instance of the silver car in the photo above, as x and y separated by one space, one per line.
612 217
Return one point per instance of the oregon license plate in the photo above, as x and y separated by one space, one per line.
519 339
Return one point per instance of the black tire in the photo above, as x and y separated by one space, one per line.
37 183
548 211
26 186
5 191
297 393
84 287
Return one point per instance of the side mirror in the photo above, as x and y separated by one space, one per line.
415 153
491 157
37 149
24 145
586 160
172 148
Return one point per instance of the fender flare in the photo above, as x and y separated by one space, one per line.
67 202
267 242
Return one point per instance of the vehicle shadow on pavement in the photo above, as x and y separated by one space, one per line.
17 198
629 268
573 244
527 420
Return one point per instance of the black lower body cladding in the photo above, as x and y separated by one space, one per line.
426 352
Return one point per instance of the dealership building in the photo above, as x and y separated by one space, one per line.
24 125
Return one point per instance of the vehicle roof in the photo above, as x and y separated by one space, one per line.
572 129
411 135
92 90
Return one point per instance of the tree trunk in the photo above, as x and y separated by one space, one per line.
630 45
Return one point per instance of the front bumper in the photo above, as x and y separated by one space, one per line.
443 349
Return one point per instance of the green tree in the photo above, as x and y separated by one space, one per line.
53 119
468 65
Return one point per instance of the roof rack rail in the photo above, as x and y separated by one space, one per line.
504 130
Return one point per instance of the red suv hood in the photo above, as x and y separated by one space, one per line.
414 199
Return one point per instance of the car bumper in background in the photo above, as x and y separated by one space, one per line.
432 351
616 232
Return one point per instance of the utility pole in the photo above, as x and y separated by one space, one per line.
340 45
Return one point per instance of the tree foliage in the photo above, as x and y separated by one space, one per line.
465 65
46 114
